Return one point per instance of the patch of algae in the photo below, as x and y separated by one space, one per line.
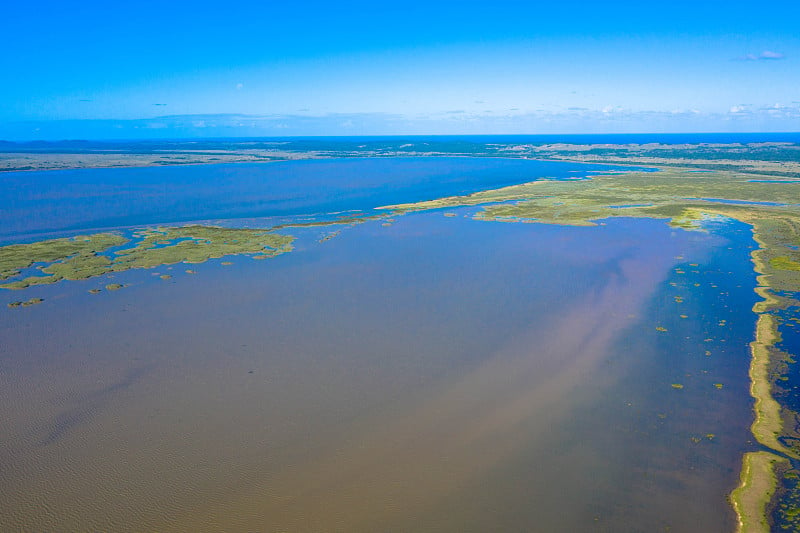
688 199
88 256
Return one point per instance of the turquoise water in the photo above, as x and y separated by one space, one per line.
436 374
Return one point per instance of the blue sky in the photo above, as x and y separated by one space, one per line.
149 69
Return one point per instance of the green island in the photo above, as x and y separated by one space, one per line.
688 198
87 256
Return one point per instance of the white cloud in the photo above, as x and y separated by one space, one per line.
769 54
766 55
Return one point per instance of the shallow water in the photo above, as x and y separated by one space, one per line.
437 374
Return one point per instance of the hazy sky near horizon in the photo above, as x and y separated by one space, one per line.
139 69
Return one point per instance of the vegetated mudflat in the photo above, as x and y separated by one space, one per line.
409 352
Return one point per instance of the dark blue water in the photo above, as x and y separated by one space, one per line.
52 201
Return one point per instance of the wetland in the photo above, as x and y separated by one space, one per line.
385 342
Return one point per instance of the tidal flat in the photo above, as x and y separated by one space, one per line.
397 369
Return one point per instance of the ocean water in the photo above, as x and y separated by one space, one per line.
436 374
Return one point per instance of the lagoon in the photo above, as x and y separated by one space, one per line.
414 372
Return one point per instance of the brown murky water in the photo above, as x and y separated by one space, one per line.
435 375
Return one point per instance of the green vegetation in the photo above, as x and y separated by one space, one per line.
788 512
784 263
88 256
15 257
675 194
757 486
26 303
768 424
197 244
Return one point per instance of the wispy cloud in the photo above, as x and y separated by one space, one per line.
769 54
766 55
